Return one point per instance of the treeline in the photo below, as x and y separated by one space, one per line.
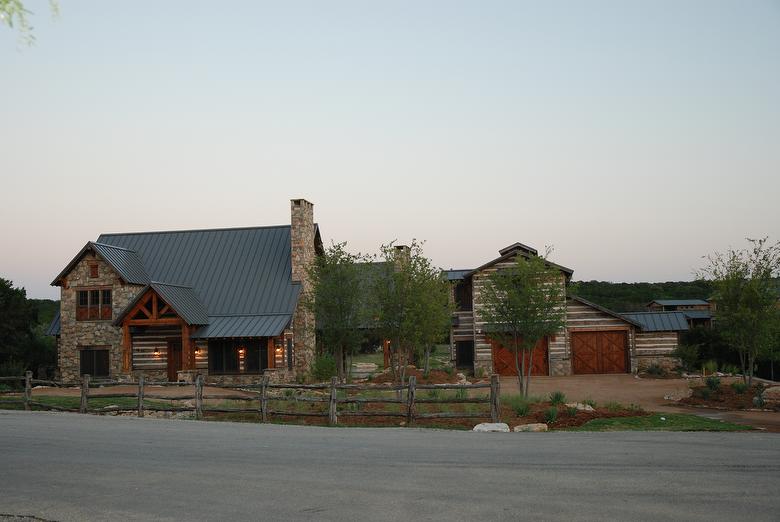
23 324
632 297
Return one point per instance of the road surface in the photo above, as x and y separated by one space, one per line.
84 467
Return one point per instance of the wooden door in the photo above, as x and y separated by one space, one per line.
174 360
504 360
599 352
464 354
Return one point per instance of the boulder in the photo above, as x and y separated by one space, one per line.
580 406
772 394
492 427
536 426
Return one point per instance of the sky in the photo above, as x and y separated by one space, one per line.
632 137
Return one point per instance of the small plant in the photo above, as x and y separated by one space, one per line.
635 407
613 406
709 367
434 393
656 369
702 393
323 367
288 392
739 387
461 393
369 377
450 370
590 402
713 383
571 411
480 372
551 415
730 369
758 401
557 398
688 355
534 399
519 405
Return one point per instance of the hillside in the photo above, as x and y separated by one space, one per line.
628 297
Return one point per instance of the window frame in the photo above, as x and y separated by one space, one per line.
227 350
93 352
100 311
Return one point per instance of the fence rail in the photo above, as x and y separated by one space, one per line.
260 392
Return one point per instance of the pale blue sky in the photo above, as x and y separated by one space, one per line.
634 137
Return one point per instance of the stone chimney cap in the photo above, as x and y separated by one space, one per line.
301 201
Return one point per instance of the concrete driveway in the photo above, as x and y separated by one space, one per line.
84 467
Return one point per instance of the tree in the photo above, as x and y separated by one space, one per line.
411 305
521 305
746 299
14 14
337 301
18 318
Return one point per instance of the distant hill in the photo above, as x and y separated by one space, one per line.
630 297
46 310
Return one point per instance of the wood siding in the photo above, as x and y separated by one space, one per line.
144 344
656 343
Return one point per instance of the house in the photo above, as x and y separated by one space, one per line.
698 312
595 340
170 305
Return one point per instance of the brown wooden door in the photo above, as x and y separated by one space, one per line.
504 361
599 352
174 360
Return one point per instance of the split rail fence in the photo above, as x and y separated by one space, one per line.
406 397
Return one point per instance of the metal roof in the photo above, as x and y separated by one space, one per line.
518 246
602 309
456 275
54 326
244 326
696 314
183 300
679 302
515 249
659 321
237 271
125 262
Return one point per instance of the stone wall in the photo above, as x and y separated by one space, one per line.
75 335
641 364
303 255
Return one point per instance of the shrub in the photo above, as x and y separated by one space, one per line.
519 405
450 370
635 407
590 402
702 393
571 411
433 393
323 367
12 368
613 406
758 401
551 415
730 369
710 367
739 387
557 398
461 393
688 355
534 399
713 383
656 369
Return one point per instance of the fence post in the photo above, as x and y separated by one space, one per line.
84 394
410 400
199 397
141 379
264 399
494 399
332 417
27 389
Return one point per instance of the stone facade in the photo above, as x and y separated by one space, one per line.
77 335
303 254
641 364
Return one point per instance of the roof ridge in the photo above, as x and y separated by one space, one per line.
191 230
250 315
179 285
113 246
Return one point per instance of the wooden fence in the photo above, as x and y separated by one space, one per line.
260 392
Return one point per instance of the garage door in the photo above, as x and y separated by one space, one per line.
504 362
599 352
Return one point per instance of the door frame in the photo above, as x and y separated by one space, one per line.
173 372
599 362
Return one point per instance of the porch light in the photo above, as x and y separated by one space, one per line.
241 351
156 351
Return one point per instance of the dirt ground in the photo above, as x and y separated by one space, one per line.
170 392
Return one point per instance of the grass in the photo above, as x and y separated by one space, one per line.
94 402
672 422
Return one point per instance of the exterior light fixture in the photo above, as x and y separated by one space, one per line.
156 351
241 351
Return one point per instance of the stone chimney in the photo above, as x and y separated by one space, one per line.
402 255
302 255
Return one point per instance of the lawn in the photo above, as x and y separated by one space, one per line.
440 358
74 402
654 422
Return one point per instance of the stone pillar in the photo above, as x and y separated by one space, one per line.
302 254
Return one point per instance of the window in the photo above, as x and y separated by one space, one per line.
93 270
463 298
93 304
238 356
94 361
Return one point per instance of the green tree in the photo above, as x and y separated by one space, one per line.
521 305
18 319
745 295
411 305
15 15
337 301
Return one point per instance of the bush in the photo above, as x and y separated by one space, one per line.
450 370
571 411
688 355
12 368
702 393
739 387
323 367
710 367
590 402
614 406
656 369
433 393
731 369
758 401
461 393
519 405
713 383
557 398
551 415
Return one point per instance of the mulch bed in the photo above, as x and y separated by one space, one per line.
434 377
726 398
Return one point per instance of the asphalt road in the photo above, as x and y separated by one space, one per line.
85 467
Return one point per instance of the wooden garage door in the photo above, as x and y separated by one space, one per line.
599 352
504 363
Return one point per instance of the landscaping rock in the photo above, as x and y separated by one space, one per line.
492 427
772 394
536 426
580 406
